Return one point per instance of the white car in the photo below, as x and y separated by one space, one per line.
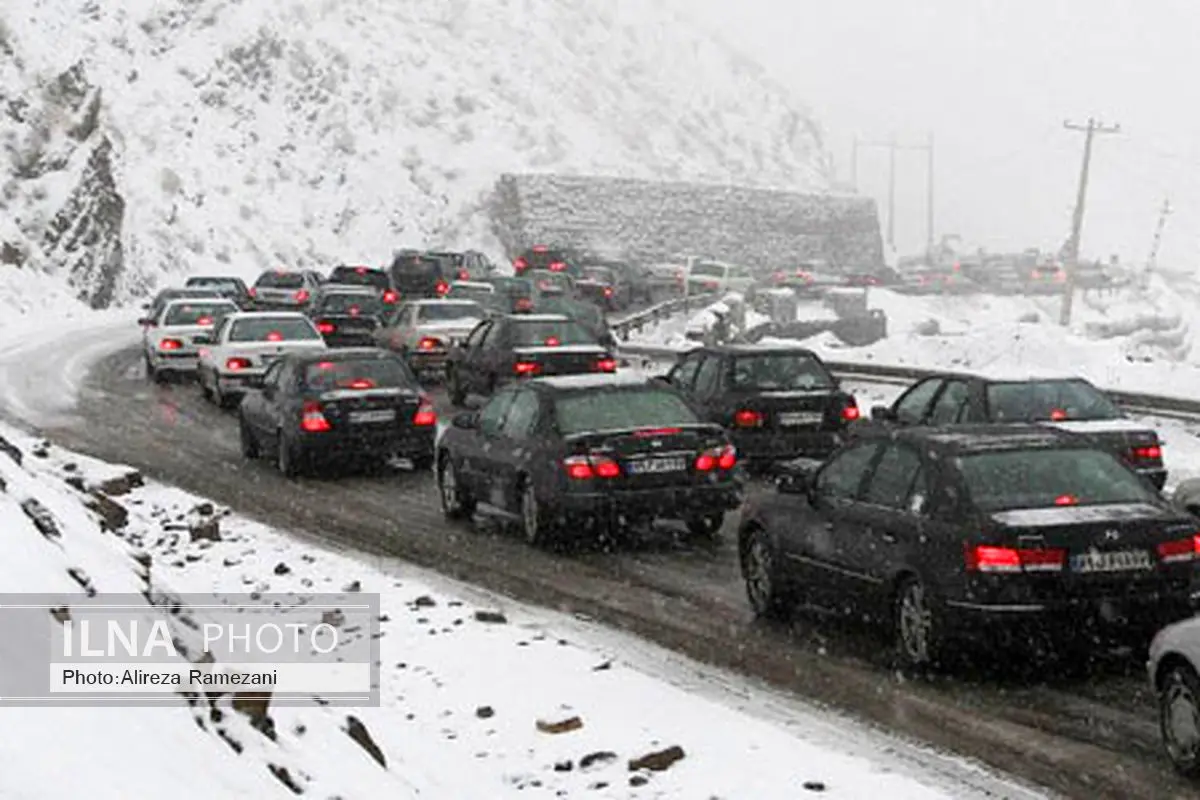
168 340
245 344
1174 668
718 277
423 331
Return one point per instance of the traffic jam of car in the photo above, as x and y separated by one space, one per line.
975 512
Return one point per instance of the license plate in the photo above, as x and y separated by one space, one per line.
656 466
386 415
1116 561
795 418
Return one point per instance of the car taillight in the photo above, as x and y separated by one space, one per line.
1066 500
748 418
850 411
520 265
527 368
557 266
252 292
204 321
355 311
274 336
312 419
717 458
523 304
1058 415
1179 550
429 343
301 296
170 344
361 383
582 468
1151 452
992 559
390 296
234 364
728 458
425 415
464 275
606 365
442 287
361 270
608 292
552 341
326 327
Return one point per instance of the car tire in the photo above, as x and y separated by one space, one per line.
1179 718
250 448
454 388
764 587
456 503
915 626
707 526
287 457
205 389
422 463
535 523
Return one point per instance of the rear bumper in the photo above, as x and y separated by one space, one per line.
664 503
434 361
402 442
764 446
240 383
186 362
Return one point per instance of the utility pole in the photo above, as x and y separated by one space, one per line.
1092 127
1163 213
892 146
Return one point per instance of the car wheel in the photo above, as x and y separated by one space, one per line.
456 503
915 626
454 388
763 587
534 523
287 457
422 463
706 527
1179 719
250 447
205 389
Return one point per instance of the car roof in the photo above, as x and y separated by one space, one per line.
357 267
199 301
348 288
226 278
473 285
965 439
429 301
188 291
756 349
594 381
267 315
343 354
538 317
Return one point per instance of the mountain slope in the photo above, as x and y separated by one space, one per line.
252 134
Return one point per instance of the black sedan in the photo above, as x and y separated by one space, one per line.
1000 533
377 279
577 452
227 286
778 402
1070 404
518 346
337 406
347 316
605 287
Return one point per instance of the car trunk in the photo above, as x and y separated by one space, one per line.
277 296
263 354
1111 549
449 335
186 334
560 360
353 327
420 278
654 457
1138 447
786 411
369 411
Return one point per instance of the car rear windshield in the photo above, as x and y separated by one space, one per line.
709 270
196 314
272 330
1044 478
453 259
599 274
459 292
223 284
1033 401
513 287
419 265
360 276
354 304
280 280
775 372
543 333
621 409
357 373
448 312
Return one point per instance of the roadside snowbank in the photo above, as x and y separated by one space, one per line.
464 682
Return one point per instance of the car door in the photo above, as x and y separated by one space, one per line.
707 387
683 375
892 512
260 408
492 358
472 365
509 452
476 461
950 405
912 407
818 544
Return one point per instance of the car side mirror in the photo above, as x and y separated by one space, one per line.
883 414
467 420
202 338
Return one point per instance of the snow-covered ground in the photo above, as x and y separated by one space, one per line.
465 680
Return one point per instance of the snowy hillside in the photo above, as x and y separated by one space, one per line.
236 135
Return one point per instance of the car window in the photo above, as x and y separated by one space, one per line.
358 373
222 327
894 477
273 329
949 404
684 375
843 475
280 280
195 314
1047 478
910 408
442 311
550 333
522 415
1041 400
491 416
352 304
615 409
708 376
780 372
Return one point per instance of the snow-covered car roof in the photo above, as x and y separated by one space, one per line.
488 287
200 301
596 381
267 315
540 318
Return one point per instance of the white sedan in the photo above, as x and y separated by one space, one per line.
1174 667
169 340
241 349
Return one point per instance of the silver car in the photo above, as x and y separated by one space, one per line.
423 331
169 340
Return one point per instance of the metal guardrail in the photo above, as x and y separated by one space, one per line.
637 322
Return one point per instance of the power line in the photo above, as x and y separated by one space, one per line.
1090 129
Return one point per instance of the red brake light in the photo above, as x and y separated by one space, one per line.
728 457
204 321
429 343
540 248
361 383
851 412
606 365
425 415
235 364
523 304
326 327
1066 500
578 468
1058 415
361 270
606 468
1151 452
608 292
706 462
464 275
274 336
520 265
1179 550
527 367
302 295
647 433
325 365
748 418
989 558
354 311
557 266
390 296
442 287
312 419
582 468
552 341
252 292
170 344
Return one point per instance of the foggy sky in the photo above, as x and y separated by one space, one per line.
994 82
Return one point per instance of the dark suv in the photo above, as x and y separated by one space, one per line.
554 259
420 275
